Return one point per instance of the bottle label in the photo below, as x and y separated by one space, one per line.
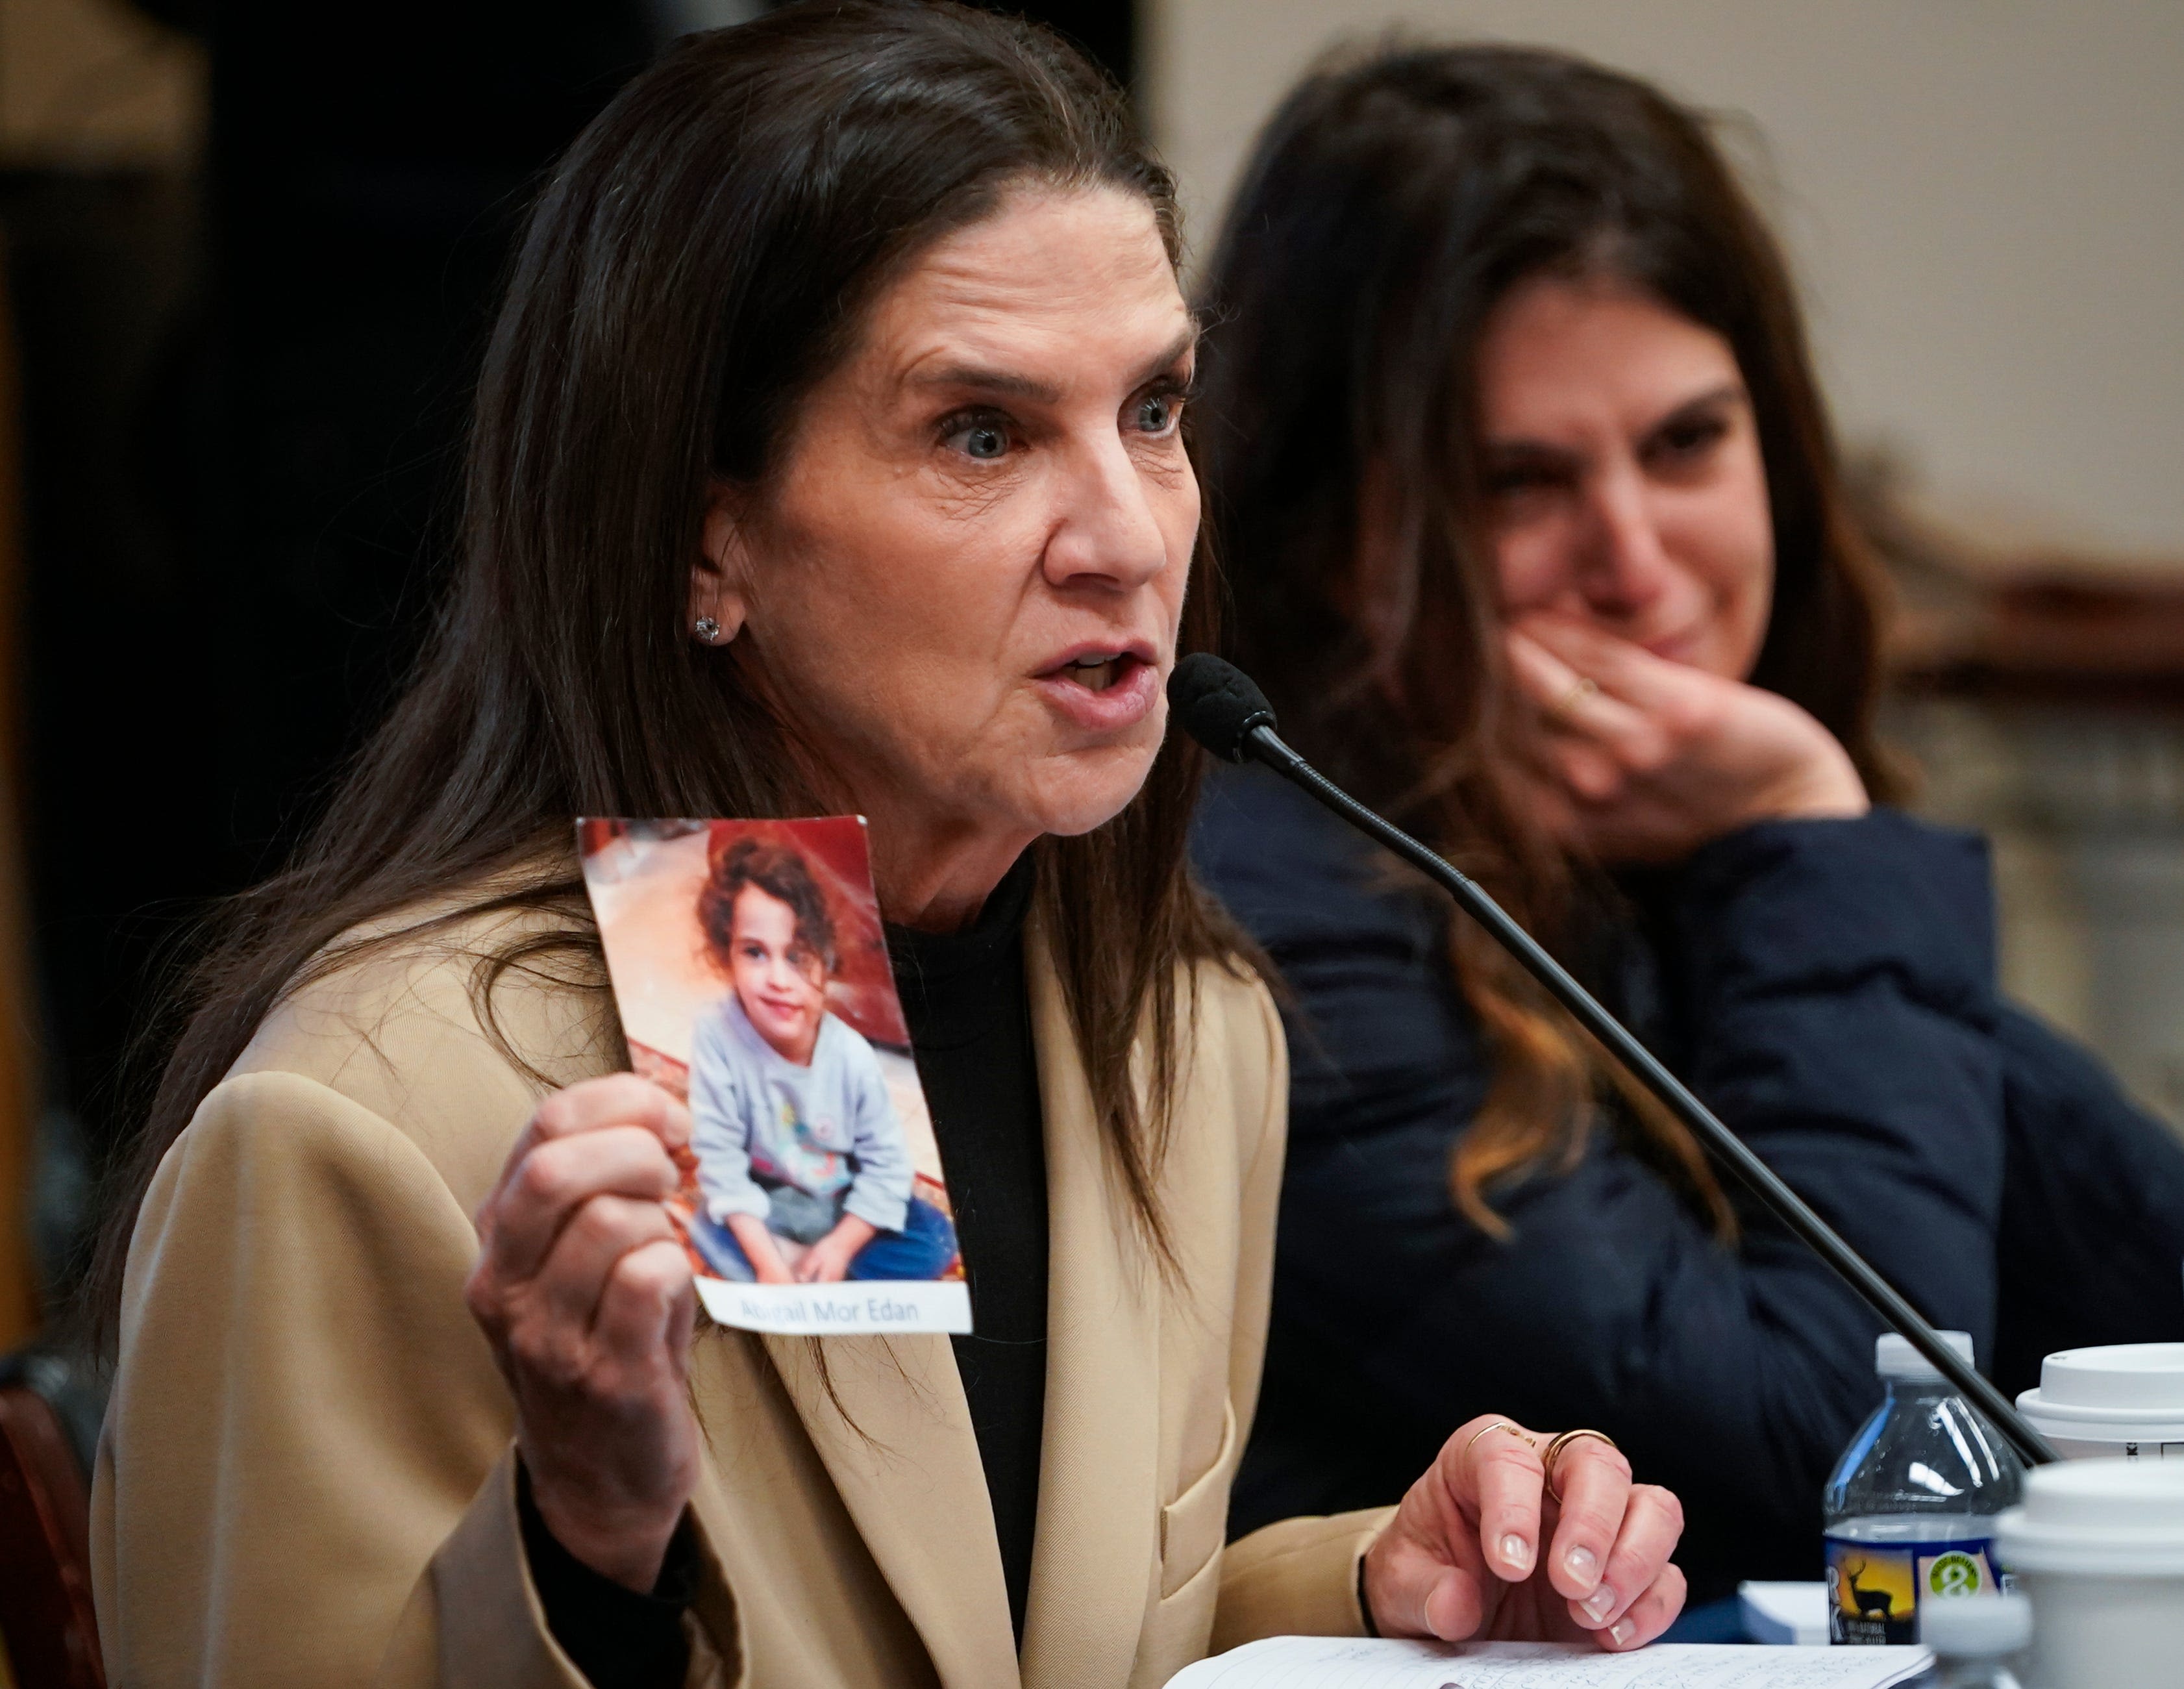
1875 1588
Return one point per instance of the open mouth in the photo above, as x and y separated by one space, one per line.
1104 689
1097 673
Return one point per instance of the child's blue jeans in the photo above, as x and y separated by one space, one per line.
921 1250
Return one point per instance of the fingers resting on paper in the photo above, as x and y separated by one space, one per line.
1463 1556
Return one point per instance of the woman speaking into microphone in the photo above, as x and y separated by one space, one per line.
826 458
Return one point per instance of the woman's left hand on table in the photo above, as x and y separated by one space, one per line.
1481 1548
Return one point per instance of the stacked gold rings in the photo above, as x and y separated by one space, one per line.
1550 1455
1553 1452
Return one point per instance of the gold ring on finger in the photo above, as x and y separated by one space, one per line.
1583 686
1553 1454
1524 1437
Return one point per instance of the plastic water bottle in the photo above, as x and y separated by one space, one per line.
1910 1510
1974 1643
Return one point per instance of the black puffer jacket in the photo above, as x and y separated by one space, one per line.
1828 986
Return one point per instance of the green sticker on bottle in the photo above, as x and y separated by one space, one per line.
1955 1573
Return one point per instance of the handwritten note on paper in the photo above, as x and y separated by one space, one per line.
1358 1662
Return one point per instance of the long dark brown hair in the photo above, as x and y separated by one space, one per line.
705 253
1391 204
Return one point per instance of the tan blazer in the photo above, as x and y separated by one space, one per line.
306 1476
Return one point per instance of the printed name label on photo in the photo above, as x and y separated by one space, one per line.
866 1305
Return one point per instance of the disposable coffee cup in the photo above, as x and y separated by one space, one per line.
2098 1546
2124 1402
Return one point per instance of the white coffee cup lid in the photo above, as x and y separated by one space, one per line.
1893 1356
1976 1626
2123 1375
2126 1392
2098 1517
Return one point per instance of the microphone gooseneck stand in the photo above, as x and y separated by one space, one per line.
1218 705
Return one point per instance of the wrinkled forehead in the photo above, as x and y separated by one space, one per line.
1068 288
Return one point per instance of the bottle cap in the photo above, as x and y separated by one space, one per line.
1975 1626
1894 1357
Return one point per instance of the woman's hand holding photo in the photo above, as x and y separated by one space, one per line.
1462 1559
1646 759
585 1293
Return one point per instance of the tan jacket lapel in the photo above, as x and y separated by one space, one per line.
1093 1563
913 1483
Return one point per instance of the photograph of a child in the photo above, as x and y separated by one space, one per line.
803 1162
750 968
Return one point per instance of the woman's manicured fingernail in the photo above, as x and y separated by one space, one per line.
1621 1632
1516 1553
1599 1604
1584 1565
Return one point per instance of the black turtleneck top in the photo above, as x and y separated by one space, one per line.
970 1023
964 997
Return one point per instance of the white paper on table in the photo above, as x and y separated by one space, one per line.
1373 1663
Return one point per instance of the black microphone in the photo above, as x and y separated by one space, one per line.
1217 705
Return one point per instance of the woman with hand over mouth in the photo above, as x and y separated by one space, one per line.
1537 541
827 459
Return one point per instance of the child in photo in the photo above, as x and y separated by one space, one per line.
803 1165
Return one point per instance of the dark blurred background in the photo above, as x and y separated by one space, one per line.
249 253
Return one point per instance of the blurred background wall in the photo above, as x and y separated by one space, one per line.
101 120
248 252
1981 196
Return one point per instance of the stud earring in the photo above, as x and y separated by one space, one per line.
707 629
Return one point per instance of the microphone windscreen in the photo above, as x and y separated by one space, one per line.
1217 703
